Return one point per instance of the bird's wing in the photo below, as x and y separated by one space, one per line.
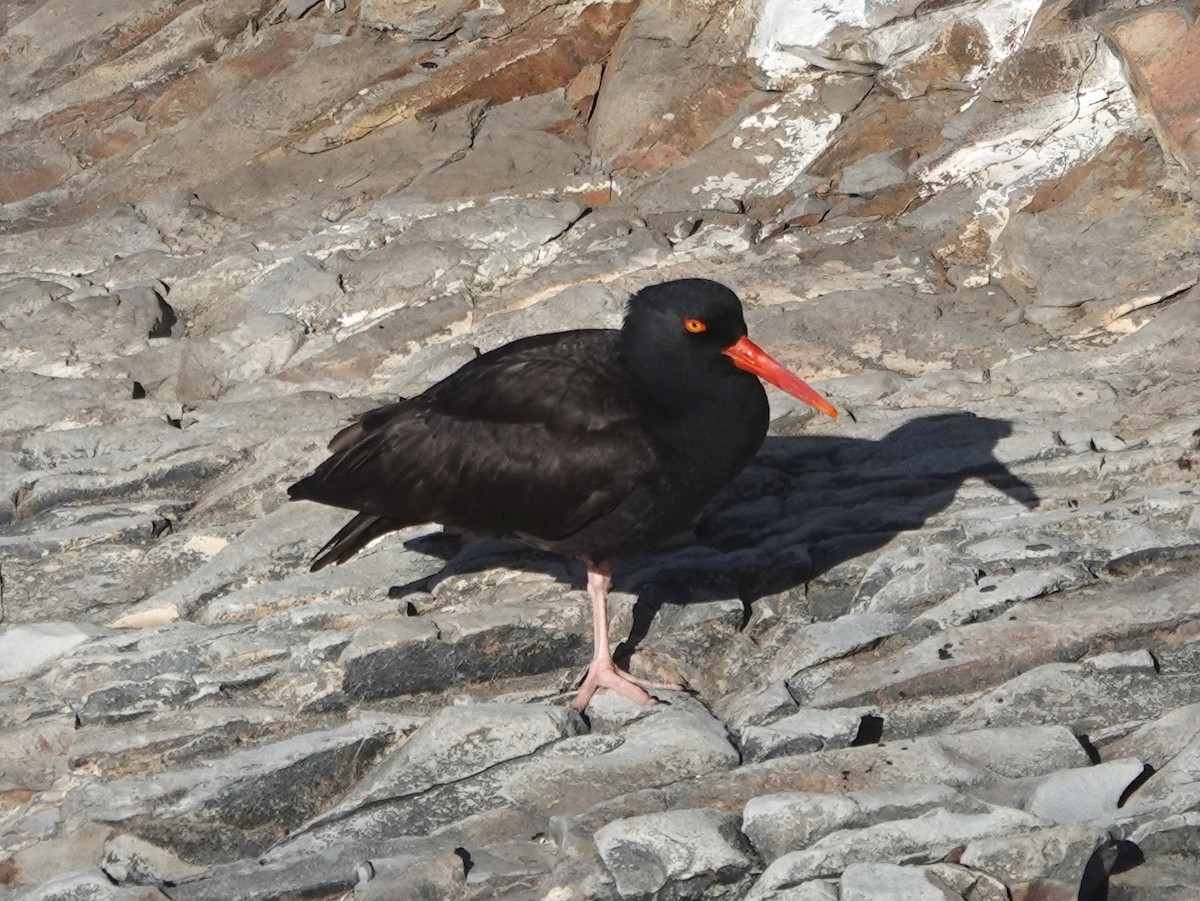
537 438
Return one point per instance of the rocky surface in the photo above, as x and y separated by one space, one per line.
945 647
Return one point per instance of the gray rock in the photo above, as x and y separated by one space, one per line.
89 332
128 859
452 768
419 878
409 655
872 173
681 853
33 754
1079 795
1017 752
1094 794
814 890
993 549
1169 870
754 705
460 742
122 676
434 863
510 864
120 476
1036 247
1141 661
30 402
804 207
1030 632
971 884
1175 788
299 287
258 346
891 882
1088 699
510 231
718 241
780 823
669 744
95 574
904 579
120 701
249 797
965 763
1163 738
172 739
90 886
82 247
392 337
803 732
820 642
1060 852
992 596
930 836
29 649
184 221
316 875
577 306
266 549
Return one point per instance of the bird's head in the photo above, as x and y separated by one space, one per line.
678 330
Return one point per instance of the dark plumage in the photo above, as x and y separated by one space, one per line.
589 442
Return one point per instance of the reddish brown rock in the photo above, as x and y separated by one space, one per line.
582 90
674 76
948 62
1048 61
882 123
1161 49
31 167
542 54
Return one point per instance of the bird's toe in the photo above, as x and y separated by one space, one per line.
614 679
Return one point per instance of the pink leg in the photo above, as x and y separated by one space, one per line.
603 672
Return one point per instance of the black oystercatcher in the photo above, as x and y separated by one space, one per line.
589 442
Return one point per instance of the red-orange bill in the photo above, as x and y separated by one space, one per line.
749 356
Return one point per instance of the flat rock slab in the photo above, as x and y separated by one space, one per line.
405 656
460 742
806 730
1059 852
1030 633
891 882
253 792
654 750
777 824
689 849
930 836
28 649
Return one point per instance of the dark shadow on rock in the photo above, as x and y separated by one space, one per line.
850 496
806 504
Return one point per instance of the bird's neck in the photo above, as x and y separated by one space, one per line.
710 416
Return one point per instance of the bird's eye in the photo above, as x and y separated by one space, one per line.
695 326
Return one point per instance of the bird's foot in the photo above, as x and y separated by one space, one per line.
606 674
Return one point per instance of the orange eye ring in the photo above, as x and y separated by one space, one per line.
695 326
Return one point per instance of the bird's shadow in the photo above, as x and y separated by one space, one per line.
804 505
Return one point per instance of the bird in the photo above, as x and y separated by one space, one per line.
590 443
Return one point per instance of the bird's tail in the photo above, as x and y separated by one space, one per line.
353 537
